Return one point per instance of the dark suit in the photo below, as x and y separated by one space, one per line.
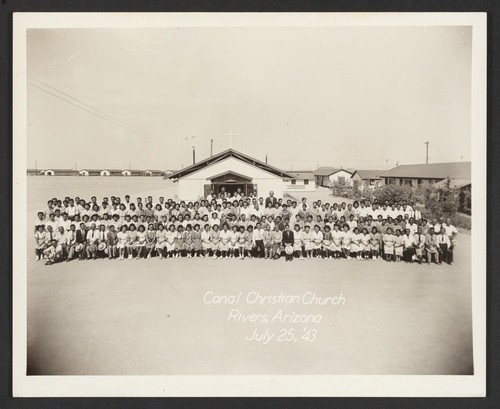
80 236
80 239
288 239
271 200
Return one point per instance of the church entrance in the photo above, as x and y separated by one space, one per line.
230 182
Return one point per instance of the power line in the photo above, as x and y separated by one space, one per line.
95 112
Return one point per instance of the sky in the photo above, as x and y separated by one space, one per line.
352 97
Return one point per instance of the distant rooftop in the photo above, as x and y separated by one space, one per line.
328 171
452 170
368 174
301 174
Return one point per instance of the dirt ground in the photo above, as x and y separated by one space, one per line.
153 317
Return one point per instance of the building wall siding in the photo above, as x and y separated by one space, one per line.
191 187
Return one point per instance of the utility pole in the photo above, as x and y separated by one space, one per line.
211 147
426 153
36 164
266 158
194 155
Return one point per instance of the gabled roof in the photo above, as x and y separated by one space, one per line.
325 171
229 153
454 183
453 170
329 171
229 172
368 174
60 170
302 174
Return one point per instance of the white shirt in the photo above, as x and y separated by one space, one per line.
70 237
60 237
443 239
408 240
53 223
39 222
72 210
413 228
317 236
225 236
352 224
257 234
450 229
256 212
65 224
92 235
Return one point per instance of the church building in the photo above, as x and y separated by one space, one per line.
228 171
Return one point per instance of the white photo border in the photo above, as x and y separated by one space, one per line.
240 385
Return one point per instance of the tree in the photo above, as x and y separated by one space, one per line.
443 201
393 193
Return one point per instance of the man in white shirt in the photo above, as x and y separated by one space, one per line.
64 222
39 221
443 242
294 210
408 245
72 210
92 240
451 231
210 196
256 211
258 240
52 222
70 242
60 237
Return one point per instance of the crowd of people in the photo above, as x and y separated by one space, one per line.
234 225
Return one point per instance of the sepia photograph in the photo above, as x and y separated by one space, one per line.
250 196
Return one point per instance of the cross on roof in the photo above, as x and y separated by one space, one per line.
231 134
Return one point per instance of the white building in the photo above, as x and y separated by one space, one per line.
303 181
230 170
105 173
328 176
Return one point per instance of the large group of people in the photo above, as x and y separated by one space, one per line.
236 225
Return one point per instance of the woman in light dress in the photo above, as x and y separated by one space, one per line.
374 243
206 240
307 241
161 241
233 240
277 238
398 245
171 237
141 241
346 241
356 247
132 241
365 244
150 240
268 241
196 239
388 238
122 242
317 241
